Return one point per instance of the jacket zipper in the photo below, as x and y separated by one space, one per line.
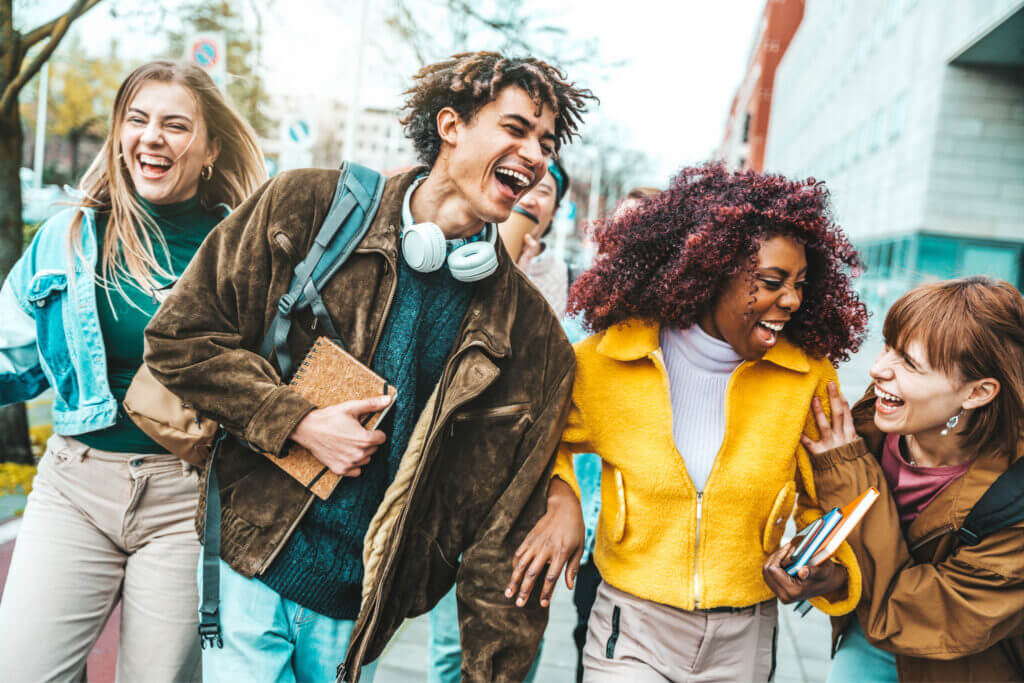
696 554
368 627
656 358
376 340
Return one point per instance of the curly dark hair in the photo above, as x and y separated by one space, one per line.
469 80
669 259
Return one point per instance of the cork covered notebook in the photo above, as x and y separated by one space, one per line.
328 376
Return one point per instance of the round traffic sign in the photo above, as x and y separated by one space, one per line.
205 53
299 132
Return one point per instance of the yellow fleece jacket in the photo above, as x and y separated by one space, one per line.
656 538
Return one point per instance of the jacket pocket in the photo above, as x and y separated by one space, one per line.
47 294
782 508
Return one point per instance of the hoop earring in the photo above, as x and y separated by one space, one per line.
206 173
951 423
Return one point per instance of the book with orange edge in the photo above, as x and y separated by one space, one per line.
852 513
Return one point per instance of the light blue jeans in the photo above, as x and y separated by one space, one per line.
858 661
445 649
270 638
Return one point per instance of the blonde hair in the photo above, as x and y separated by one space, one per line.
128 247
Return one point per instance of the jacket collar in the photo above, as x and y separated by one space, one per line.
636 338
492 310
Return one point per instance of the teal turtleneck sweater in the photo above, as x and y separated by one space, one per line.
184 226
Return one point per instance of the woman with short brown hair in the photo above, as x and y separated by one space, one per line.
941 421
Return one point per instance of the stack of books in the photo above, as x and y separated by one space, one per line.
820 539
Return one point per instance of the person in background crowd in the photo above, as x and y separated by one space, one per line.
549 274
110 513
537 259
450 484
587 467
942 418
719 307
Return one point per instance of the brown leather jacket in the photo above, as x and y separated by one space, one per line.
948 612
473 480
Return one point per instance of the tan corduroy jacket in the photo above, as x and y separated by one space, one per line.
948 612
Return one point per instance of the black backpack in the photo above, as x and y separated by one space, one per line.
353 209
1001 506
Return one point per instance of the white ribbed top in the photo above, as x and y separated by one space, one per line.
699 367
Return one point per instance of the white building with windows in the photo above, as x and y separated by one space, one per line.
913 112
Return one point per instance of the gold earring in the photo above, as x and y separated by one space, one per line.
206 173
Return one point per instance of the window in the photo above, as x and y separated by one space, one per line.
746 127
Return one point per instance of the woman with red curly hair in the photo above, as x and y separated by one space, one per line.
720 307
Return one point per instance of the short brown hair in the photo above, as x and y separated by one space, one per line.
971 328
469 80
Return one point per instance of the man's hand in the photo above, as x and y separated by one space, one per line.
334 436
810 582
555 541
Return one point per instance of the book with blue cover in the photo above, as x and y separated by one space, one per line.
813 541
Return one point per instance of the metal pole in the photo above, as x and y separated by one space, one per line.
40 152
348 151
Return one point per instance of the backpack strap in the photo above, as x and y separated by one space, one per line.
1001 506
352 210
209 607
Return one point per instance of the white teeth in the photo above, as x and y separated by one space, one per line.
887 396
520 179
154 161
775 327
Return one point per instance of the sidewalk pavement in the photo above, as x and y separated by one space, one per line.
802 645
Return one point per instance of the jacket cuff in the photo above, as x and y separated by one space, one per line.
564 471
830 458
276 419
841 603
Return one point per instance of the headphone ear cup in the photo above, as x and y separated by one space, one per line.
473 261
423 247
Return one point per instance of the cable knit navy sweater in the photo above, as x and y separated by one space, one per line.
321 565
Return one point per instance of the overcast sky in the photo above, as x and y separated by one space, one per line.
683 61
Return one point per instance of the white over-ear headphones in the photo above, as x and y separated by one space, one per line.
424 247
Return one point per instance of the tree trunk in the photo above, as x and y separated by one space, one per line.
14 440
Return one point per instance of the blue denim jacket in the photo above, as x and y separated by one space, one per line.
50 336
587 466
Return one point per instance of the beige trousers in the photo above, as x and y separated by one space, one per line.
98 527
636 640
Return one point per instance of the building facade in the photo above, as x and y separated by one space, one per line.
743 144
912 111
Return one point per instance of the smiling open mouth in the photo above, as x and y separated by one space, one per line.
887 400
153 166
768 332
511 182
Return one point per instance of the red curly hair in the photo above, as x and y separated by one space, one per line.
669 259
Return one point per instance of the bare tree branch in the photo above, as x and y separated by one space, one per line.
57 29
